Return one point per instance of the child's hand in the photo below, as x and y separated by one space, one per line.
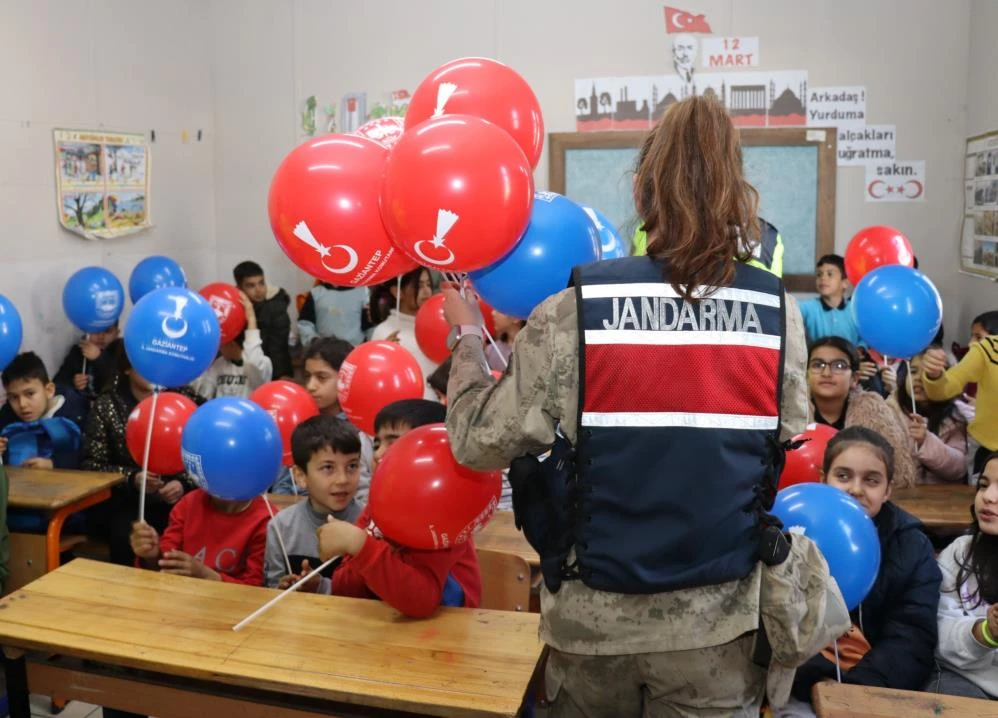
3 444
290 580
183 564
248 308
933 363
993 620
37 463
90 350
917 429
867 370
144 541
172 491
889 376
81 381
152 481
339 537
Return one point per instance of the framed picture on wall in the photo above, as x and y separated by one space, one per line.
979 241
794 170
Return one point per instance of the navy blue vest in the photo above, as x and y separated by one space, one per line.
678 428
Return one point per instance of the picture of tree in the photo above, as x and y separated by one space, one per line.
83 209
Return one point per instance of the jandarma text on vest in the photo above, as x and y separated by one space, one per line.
667 314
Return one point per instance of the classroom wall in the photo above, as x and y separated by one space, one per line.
978 294
271 56
115 64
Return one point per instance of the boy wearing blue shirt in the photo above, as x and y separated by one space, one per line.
829 314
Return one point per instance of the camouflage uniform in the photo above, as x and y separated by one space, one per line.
702 631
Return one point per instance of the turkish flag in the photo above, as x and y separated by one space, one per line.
682 21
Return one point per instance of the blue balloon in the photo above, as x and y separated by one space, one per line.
11 331
560 236
154 272
172 336
93 299
611 245
232 447
898 310
842 531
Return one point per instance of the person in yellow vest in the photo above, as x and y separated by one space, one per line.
768 254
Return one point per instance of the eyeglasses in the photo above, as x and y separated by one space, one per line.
838 366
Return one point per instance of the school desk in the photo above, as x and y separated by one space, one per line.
841 700
943 508
58 493
166 647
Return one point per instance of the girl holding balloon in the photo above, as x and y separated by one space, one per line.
894 630
402 299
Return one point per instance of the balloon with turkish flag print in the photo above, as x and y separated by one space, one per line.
876 246
484 88
228 306
324 211
457 193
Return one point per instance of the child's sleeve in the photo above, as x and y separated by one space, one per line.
273 558
944 458
969 370
173 538
259 368
306 321
412 582
71 366
206 385
96 449
957 645
252 573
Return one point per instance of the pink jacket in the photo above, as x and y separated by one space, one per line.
942 457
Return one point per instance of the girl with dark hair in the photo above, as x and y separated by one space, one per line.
968 606
507 328
393 309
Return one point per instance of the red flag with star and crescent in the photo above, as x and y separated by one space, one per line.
677 20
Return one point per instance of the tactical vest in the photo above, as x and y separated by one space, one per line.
768 253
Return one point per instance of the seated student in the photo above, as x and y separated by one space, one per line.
326 453
241 366
837 401
894 629
399 418
828 314
399 325
979 365
104 449
331 311
968 606
208 538
937 430
88 366
40 425
270 305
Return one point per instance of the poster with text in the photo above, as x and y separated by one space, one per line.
102 182
979 242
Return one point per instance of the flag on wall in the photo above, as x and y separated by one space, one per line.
677 20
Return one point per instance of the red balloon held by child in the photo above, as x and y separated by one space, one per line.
374 375
228 307
803 464
422 498
289 404
873 247
172 412
432 329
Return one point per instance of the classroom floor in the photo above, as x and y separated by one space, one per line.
41 707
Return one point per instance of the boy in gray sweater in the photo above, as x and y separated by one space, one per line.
326 452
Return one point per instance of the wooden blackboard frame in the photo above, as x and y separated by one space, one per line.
824 242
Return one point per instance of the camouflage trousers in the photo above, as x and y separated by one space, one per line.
717 681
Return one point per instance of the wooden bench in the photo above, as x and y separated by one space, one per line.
841 700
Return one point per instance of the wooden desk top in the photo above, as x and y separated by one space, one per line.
840 700
941 507
500 534
461 662
52 489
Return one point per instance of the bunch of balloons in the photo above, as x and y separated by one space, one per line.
898 310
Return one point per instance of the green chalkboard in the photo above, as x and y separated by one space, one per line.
793 170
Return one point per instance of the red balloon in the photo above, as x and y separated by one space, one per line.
432 329
422 498
224 299
873 247
172 412
483 88
290 405
457 193
803 465
323 208
383 130
490 321
374 375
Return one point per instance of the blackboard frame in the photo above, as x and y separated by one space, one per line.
823 138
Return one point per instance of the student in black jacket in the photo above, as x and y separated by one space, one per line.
271 306
88 367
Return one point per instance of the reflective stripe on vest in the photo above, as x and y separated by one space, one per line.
768 254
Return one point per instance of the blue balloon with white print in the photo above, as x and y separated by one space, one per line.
155 272
611 244
93 299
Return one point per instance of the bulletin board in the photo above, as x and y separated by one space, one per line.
979 247
793 169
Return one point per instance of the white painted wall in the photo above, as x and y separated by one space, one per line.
115 64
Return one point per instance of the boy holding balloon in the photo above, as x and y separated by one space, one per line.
894 629
88 367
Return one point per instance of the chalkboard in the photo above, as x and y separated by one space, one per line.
792 168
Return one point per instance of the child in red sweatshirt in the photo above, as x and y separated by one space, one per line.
207 538
414 582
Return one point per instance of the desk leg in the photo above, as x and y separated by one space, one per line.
15 670
53 537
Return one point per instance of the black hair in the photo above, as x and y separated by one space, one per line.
853 435
988 320
935 412
244 270
843 345
25 367
836 260
382 301
331 350
323 432
438 379
981 560
410 412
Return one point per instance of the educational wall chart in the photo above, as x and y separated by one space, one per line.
102 182
979 248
